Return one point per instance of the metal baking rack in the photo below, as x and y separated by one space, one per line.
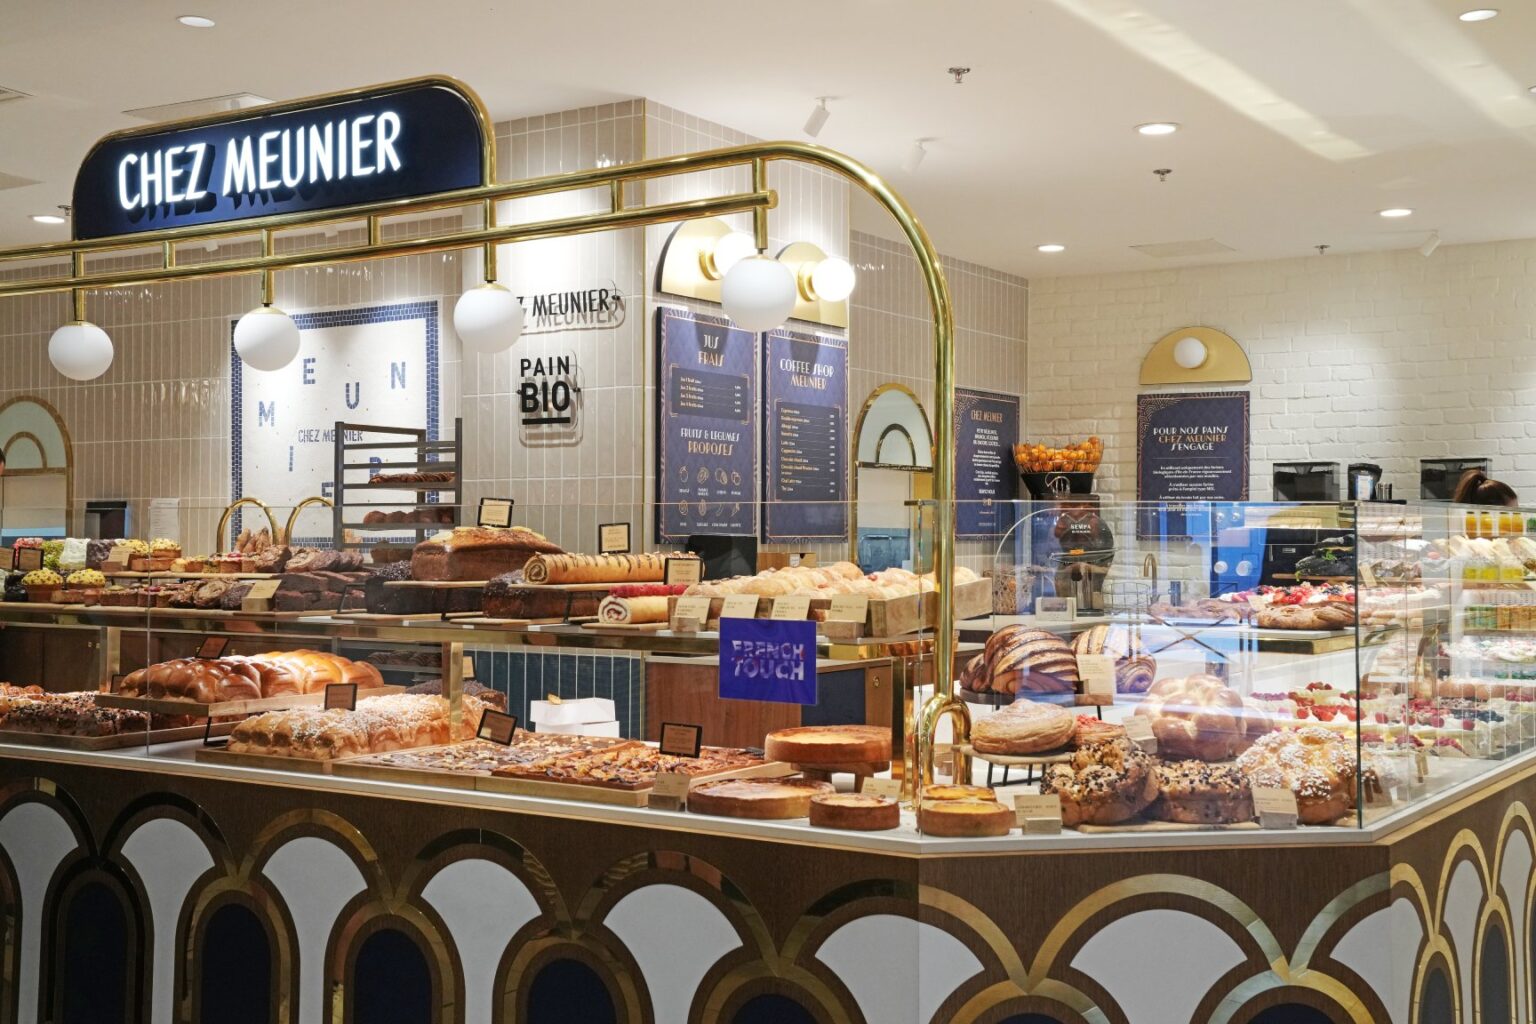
355 496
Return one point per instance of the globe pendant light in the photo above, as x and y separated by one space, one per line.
80 350
488 318
1190 353
266 338
758 293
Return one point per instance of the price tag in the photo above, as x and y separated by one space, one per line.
1138 729
683 571
944 758
341 696
1421 762
1275 806
117 683
1368 575
739 606
793 606
848 608
29 559
690 610
613 539
1055 609
468 669
670 791
882 787
681 739
119 554
1038 813
497 727
263 590
495 513
1098 674
212 647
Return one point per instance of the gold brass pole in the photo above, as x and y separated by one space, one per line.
760 216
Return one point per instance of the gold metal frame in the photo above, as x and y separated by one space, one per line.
756 157
218 533
293 516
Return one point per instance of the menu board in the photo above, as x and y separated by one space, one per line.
986 429
706 451
805 437
1190 448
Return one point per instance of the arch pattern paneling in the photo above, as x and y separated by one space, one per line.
485 934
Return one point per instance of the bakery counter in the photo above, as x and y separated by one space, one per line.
499 904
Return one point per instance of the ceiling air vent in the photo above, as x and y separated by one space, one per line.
10 94
198 108
1174 250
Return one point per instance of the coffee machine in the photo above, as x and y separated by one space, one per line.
1364 482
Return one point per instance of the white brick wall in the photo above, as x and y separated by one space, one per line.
1382 357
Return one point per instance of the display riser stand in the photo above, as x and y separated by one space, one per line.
351 496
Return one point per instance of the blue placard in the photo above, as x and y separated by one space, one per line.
768 659
413 140
986 479
706 449
1189 448
805 446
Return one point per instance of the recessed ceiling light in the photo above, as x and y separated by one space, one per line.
48 218
1051 247
1479 14
1157 128
1396 211
196 21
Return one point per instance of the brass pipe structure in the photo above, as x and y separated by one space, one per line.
218 534
294 515
754 158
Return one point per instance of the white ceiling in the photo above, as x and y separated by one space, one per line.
1301 118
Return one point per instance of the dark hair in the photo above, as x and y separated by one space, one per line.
1478 488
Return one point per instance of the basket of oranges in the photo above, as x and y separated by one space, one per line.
1049 471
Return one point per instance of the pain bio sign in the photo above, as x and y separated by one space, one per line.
768 659
395 142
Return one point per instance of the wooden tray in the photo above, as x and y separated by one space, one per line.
351 767
621 797
117 742
218 755
199 709
1012 760
627 627
1136 825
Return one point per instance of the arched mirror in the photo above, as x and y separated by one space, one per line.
894 445
37 490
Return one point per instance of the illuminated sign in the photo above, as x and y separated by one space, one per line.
395 143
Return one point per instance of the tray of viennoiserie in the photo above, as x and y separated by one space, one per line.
313 739
75 721
464 764
623 772
238 685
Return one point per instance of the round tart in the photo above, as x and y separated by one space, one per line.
956 791
829 744
1023 727
855 811
1200 793
964 818
756 798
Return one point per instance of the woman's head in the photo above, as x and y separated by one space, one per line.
1477 488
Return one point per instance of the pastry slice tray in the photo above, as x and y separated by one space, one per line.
201 709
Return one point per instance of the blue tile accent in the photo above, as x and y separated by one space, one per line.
425 310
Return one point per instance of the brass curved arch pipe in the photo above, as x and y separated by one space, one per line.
300 507
218 534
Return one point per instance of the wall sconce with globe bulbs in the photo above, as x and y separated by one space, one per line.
707 260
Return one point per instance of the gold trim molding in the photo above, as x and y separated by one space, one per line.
1225 360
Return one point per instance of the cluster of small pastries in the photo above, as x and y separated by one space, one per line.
378 725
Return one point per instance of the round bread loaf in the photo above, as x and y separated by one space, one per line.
1315 764
1201 793
829 744
1103 784
964 818
757 798
855 812
1023 727
1201 717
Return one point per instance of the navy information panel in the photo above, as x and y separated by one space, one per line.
986 481
1189 448
397 143
706 450
805 447
768 659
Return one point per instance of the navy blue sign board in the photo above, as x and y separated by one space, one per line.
986 478
1190 448
769 660
805 446
393 143
706 449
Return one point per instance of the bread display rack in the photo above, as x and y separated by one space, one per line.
355 497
